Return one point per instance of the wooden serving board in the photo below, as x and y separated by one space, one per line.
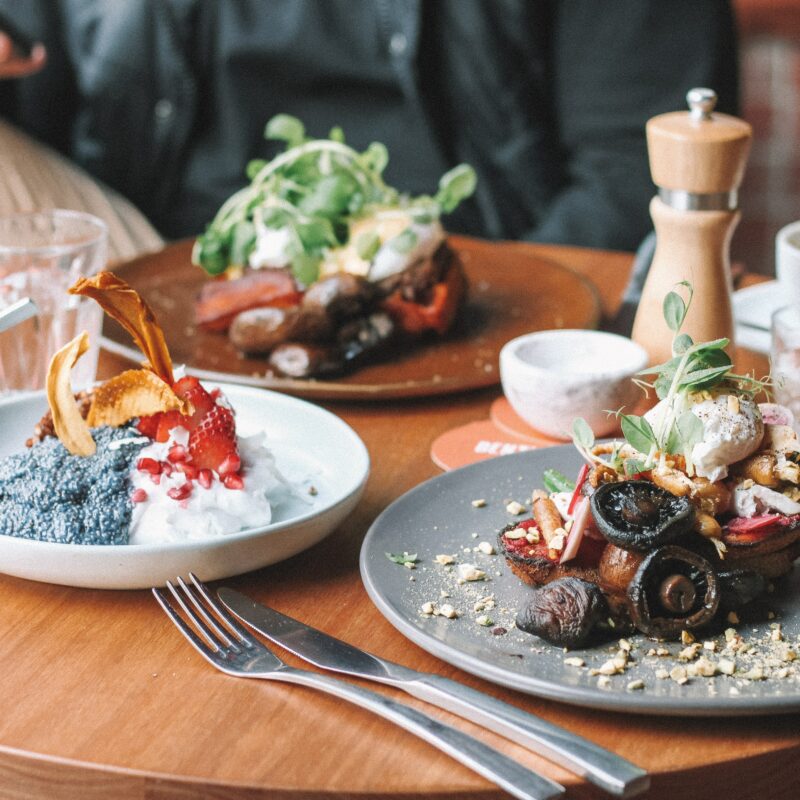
512 291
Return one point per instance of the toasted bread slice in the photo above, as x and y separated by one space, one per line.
531 563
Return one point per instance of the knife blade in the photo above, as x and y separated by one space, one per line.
598 765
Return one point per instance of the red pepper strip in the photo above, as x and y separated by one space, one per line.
438 315
581 479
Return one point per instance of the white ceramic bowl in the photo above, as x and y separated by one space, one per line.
552 377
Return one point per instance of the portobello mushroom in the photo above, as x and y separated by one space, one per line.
366 336
740 587
638 515
341 296
564 612
673 590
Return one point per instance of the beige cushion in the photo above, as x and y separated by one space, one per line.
34 177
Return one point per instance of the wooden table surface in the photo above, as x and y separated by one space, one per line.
101 698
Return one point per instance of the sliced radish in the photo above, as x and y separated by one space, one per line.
583 515
752 524
776 414
584 471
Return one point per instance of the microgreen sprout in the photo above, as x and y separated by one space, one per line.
312 191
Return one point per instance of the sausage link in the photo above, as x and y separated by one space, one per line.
546 515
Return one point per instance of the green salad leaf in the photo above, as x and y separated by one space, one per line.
286 128
555 481
314 189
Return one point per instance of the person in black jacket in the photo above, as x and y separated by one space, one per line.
166 100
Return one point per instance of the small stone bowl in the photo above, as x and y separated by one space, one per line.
552 377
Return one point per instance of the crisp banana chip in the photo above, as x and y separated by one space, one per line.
71 428
133 393
123 304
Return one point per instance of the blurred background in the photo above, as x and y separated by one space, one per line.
769 32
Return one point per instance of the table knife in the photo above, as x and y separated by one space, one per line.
596 764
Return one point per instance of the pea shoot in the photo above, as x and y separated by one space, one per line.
313 190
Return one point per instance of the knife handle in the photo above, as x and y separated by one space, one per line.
598 765
514 778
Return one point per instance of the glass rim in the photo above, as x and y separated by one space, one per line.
788 307
55 249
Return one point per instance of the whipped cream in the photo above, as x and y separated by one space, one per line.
205 513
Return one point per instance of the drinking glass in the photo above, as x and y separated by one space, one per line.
41 255
785 358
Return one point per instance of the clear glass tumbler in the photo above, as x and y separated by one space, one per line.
785 358
41 255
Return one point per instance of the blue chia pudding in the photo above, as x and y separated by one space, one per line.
50 495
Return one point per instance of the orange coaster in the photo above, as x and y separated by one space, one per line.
504 416
478 441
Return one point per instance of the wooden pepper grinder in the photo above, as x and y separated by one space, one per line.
697 160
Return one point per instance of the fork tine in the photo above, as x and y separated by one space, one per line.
209 620
223 614
193 638
195 618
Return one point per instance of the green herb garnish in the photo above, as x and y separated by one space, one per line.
404 558
314 189
555 481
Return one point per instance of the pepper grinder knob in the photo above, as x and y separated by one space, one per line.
701 103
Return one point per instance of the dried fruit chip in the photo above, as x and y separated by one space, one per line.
71 428
133 393
123 304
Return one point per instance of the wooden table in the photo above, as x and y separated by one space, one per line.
101 698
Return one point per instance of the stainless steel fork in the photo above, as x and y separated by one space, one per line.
217 636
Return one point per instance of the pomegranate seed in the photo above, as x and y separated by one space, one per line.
230 464
166 468
149 465
139 496
215 394
177 453
189 470
233 481
180 492
156 479
205 478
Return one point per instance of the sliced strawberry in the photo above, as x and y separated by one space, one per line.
189 388
214 439
168 420
148 426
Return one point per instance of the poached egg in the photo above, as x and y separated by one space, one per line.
732 430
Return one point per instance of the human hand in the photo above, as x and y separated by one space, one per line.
15 65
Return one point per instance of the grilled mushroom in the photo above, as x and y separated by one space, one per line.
673 590
564 612
740 587
638 515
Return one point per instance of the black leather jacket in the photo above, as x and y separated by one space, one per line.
166 99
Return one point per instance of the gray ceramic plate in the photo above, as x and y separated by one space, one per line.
438 517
